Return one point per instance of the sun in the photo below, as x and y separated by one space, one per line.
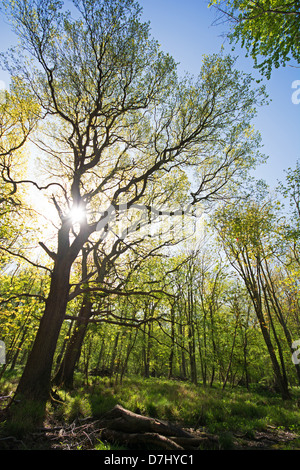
77 214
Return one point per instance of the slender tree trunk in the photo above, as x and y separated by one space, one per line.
191 337
252 279
279 379
277 342
147 347
86 359
130 347
171 355
202 361
214 347
18 349
276 367
202 349
100 355
147 351
112 365
59 357
245 350
231 353
277 308
65 374
183 360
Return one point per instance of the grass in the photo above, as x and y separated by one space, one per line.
219 412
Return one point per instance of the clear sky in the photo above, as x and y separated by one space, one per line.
184 28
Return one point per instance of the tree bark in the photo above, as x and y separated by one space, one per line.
65 373
191 336
254 288
172 347
35 381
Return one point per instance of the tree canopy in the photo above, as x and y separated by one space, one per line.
268 29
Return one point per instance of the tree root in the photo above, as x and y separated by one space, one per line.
135 431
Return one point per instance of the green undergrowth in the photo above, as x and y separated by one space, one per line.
217 411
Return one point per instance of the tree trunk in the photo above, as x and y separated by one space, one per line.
130 347
182 364
281 383
171 355
147 349
191 336
202 349
63 347
245 355
276 367
214 354
112 365
278 344
269 287
65 373
231 353
86 359
18 350
253 282
35 381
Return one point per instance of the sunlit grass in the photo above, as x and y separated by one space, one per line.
218 411
24 419
211 408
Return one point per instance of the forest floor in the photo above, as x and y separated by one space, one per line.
160 414
87 436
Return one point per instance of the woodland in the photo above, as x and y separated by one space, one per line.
149 294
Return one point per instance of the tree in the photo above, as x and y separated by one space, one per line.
21 304
248 239
118 122
18 117
114 270
290 190
268 29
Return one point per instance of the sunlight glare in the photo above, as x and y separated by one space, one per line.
77 214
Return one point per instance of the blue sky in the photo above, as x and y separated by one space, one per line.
184 28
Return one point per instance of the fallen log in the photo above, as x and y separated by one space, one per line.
121 419
131 429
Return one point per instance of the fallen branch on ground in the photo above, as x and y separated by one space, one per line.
135 431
